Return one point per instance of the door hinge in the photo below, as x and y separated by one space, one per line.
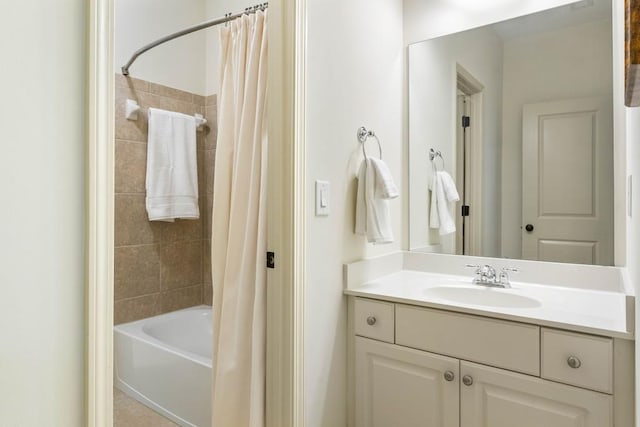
465 210
466 121
271 260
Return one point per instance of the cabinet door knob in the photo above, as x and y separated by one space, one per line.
371 320
574 362
467 380
449 376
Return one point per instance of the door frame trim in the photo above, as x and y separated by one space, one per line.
99 212
473 88
285 406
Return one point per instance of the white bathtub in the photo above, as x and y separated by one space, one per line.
164 362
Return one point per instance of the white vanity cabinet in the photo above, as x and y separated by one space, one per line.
500 398
398 386
446 369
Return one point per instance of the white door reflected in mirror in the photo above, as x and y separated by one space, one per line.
568 181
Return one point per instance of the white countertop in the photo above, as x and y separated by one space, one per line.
582 310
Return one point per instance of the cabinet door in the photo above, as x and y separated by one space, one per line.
403 387
499 398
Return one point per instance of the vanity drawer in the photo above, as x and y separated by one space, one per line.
374 319
577 359
498 343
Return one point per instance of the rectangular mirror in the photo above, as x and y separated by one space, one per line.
519 114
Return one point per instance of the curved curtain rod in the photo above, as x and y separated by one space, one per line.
228 17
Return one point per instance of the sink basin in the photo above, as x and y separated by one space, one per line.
489 297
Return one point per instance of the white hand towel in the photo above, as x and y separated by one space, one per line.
372 214
439 216
434 217
172 173
385 187
449 187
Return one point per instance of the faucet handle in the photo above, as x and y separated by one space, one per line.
473 266
504 276
488 271
511 269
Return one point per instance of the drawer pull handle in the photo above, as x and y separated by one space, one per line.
574 362
371 320
467 380
449 376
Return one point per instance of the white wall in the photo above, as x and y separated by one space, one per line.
570 63
42 216
633 224
179 63
354 78
433 123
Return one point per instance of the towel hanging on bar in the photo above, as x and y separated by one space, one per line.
432 156
132 109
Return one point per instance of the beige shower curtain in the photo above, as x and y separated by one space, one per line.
239 226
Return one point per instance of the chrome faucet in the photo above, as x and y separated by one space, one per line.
486 276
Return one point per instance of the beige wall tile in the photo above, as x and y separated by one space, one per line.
201 139
131 82
206 261
182 229
131 130
156 101
211 114
170 92
207 203
211 100
208 169
181 298
132 225
181 264
137 271
202 187
130 167
207 294
159 266
199 99
128 310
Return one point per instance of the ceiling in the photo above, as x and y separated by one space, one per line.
552 19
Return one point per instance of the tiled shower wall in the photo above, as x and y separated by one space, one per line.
159 266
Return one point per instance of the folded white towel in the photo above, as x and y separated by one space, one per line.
372 214
172 172
385 187
443 191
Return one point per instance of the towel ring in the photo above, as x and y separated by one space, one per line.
363 135
432 156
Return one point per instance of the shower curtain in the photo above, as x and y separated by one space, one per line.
239 226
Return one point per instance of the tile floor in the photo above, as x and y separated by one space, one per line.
127 412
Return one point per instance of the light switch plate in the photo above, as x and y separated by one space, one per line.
322 198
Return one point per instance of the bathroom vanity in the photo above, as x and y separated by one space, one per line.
432 349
